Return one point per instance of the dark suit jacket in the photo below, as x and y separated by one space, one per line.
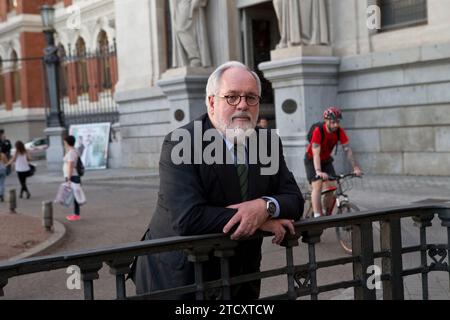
192 201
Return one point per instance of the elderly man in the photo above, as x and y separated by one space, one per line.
235 198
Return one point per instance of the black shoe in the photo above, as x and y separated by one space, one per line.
21 195
28 195
1 199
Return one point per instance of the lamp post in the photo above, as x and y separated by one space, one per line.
55 123
51 61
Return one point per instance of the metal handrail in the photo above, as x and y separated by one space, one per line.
120 257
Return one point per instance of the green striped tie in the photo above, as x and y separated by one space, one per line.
242 171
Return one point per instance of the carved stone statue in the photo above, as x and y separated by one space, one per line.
189 37
302 22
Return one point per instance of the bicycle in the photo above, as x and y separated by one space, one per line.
342 204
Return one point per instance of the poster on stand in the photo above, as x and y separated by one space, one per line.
91 142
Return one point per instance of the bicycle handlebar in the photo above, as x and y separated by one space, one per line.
343 176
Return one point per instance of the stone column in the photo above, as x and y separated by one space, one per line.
185 89
304 81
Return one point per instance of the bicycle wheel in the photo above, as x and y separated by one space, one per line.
307 209
344 234
307 212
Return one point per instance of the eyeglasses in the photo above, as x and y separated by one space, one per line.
235 100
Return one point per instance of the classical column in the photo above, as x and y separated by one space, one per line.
303 86
185 90
303 73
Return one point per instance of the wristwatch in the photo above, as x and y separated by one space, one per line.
271 207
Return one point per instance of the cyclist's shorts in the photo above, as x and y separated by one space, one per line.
326 166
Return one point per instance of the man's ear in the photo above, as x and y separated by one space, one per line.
211 105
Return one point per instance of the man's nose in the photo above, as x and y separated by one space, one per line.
242 104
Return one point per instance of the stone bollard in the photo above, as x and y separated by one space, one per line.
12 201
47 215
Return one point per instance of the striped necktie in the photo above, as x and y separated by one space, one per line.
242 170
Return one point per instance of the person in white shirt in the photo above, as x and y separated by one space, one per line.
70 171
21 159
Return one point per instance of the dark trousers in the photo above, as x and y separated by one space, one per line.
23 181
76 206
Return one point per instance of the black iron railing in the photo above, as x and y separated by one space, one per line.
301 279
86 84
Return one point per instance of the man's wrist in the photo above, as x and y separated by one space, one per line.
271 207
264 207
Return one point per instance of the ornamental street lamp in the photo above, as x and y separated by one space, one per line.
55 123
51 61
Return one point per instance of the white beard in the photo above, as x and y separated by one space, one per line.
235 133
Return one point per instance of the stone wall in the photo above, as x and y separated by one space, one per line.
144 121
23 124
396 108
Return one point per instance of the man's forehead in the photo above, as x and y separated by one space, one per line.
238 80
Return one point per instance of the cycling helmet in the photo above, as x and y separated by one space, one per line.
332 113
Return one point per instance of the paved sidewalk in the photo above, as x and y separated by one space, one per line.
13 243
121 202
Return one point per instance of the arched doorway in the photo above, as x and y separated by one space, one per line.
260 35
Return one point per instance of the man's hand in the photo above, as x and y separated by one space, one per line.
357 171
250 216
278 228
322 175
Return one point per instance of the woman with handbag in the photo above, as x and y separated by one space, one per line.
70 172
21 159
3 173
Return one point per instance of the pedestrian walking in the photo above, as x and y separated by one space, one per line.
71 175
21 160
5 147
3 169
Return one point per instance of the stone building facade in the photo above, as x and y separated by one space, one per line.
392 83
83 27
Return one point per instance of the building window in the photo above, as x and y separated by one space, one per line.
104 62
81 66
402 13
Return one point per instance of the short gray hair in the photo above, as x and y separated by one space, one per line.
212 86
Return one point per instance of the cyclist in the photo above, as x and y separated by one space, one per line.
319 162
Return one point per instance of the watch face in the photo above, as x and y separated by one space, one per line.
272 208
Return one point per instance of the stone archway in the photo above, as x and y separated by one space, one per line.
260 35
